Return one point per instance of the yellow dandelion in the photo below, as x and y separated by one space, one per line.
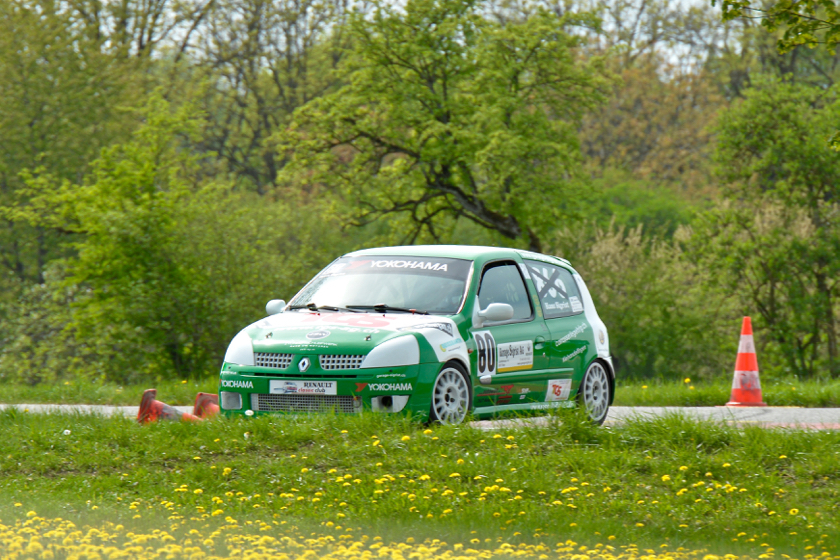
405 438
427 431
665 478
687 380
794 511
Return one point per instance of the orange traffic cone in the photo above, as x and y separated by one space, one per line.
206 405
746 389
152 410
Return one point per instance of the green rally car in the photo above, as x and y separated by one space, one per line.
438 331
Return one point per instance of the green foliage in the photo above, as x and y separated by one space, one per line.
649 292
59 99
670 480
168 266
775 241
631 203
804 22
448 115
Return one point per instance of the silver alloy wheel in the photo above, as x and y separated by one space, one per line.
596 392
450 397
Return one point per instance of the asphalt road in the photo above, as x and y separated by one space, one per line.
776 417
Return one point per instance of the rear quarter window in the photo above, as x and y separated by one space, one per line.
557 290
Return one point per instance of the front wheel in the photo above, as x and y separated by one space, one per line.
595 392
451 397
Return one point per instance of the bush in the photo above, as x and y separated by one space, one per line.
169 266
661 320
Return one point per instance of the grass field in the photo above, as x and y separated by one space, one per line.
377 486
783 392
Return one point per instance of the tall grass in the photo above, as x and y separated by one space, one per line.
671 481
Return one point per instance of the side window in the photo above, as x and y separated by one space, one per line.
557 289
502 283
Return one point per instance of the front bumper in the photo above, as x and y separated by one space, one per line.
252 390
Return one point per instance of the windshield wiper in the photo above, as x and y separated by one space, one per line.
312 307
384 307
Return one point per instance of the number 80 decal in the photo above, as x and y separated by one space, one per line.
486 350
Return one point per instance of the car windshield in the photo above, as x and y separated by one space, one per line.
425 284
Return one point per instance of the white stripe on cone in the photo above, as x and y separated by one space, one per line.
746 380
747 345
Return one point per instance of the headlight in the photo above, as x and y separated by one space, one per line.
402 351
240 350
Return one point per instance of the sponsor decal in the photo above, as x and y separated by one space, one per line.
237 384
443 327
514 356
450 345
546 406
558 390
576 306
349 319
316 335
573 334
506 388
574 354
310 344
386 375
601 337
485 353
525 390
379 387
422 265
303 387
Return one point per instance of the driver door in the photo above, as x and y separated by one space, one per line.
505 360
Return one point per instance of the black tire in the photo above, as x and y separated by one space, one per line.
595 393
451 395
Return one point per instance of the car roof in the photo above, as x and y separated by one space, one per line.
469 252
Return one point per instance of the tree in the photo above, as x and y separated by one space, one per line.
804 22
447 115
262 60
167 265
59 98
776 240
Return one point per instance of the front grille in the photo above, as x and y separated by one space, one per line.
277 361
338 361
302 403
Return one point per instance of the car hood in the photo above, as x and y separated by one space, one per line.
346 333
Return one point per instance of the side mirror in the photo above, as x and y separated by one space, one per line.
494 312
275 306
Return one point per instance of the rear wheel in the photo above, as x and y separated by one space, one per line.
595 392
451 396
